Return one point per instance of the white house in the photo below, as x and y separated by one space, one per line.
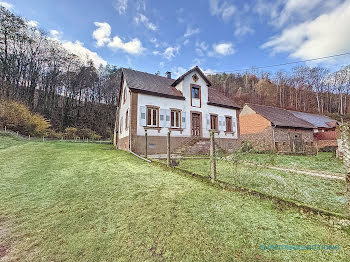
188 106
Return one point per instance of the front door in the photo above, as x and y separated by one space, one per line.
196 124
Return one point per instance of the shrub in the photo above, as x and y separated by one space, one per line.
17 117
246 146
71 132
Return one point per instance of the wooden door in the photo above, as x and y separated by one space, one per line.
196 124
297 143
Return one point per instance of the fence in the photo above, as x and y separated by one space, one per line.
295 179
12 133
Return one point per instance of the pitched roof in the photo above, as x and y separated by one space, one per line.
317 120
161 86
152 84
200 72
280 117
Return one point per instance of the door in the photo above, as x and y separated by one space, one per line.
297 143
196 124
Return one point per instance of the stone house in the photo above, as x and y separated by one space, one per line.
189 106
272 128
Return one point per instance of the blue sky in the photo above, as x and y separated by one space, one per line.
217 35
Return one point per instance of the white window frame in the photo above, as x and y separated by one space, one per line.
152 117
177 116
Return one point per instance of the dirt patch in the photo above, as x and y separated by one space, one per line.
4 249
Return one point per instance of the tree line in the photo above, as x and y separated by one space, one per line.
304 88
39 72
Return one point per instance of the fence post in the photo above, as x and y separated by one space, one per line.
146 141
43 139
29 137
212 158
17 133
168 149
5 128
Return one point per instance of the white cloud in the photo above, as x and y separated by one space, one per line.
325 35
55 35
102 33
83 53
242 29
121 6
224 10
140 18
6 5
201 48
161 64
133 47
191 31
199 52
170 52
225 48
141 5
186 41
33 23
178 71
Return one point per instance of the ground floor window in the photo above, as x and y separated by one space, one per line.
175 118
213 122
228 124
152 116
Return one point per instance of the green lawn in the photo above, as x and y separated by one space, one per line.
322 162
312 191
85 202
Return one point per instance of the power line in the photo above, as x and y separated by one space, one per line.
283 64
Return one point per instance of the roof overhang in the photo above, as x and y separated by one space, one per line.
225 106
147 92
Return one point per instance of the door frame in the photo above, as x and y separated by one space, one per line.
200 122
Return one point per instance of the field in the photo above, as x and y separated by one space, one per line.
86 202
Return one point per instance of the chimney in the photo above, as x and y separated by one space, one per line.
168 75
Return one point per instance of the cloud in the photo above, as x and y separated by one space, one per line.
186 41
170 52
224 10
242 29
178 71
201 48
6 5
33 23
121 6
102 33
140 18
83 53
225 48
141 5
133 47
55 35
191 31
325 35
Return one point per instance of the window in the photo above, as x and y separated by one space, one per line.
126 119
228 124
175 118
124 95
213 122
152 116
195 92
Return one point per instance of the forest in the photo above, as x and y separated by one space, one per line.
38 72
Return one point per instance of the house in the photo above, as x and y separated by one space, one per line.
325 128
272 128
188 106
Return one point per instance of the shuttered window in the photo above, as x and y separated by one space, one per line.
152 116
213 122
228 124
175 118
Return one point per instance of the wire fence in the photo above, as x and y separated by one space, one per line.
312 181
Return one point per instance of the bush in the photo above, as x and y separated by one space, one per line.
17 117
246 146
71 132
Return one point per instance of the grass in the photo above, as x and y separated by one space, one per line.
322 162
309 190
84 202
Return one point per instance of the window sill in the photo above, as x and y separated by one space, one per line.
176 129
153 127
215 131
229 132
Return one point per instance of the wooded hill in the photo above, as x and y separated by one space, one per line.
39 72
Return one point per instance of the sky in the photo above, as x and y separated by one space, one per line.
217 35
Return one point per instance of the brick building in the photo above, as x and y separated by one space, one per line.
271 128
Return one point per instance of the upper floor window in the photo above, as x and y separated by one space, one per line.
152 116
214 122
126 119
124 95
175 118
228 124
195 92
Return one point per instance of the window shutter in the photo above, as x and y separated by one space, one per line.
234 125
142 116
121 125
223 123
167 118
183 120
208 122
162 116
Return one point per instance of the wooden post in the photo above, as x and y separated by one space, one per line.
29 137
212 158
146 142
17 133
5 128
43 139
168 149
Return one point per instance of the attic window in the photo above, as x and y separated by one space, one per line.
195 78
195 92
